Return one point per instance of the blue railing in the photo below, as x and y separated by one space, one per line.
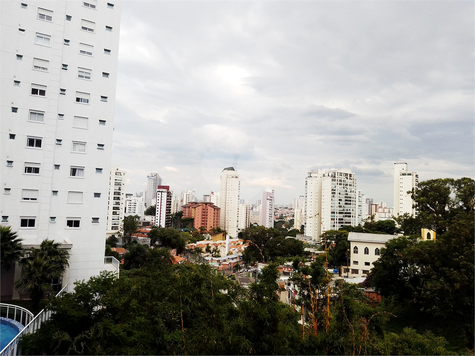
33 324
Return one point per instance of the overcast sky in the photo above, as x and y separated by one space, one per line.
278 88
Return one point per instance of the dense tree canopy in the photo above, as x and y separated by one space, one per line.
11 248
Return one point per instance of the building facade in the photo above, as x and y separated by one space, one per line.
58 80
267 210
205 214
404 181
229 201
330 201
153 181
135 205
116 201
164 205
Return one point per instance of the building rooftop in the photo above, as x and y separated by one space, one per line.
365 237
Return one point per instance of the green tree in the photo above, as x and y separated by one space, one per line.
136 256
11 248
176 219
112 241
41 269
151 210
338 245
130 226
170 238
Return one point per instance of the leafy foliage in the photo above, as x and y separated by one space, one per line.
130 226
11 248
151 210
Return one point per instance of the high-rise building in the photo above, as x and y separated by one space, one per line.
267 210
164 205
330 201
229 201
244 216
58 69
404 181
205 214
116 201
153 181
134 205
299 212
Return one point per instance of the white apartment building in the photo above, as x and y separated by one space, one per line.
267 210
153 181
116 201
134 205
58 79
299 212
164 204
244 216
404 181
229 201
330 201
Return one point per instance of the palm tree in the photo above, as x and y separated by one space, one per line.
11 249
41 268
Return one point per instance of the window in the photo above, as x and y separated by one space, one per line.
9 163
355 250
355 262
79 146
62 91
366 251
64 66
75 197
367 263
56 167
44 14
108 28
19 57
23 5
99 170
80 122
21 31
12 136
16 83
59 142
104 98
34 142
7 191
376 251
27 221
29 194
95 220
84 73
110 5
42 39
105 74
38 90
32 168
36 116
102 122
4 218
97 195
14 109
60 116
82 98
73 223
68 17
365 271
76 172
100 146
52 219
85 49
40 64
90 3
107 51
87 26
354 271
66 42
54 193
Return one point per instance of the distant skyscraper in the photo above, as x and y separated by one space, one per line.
116 202
153 181
244 216
330 201
134 205
229 200
404 181
164 205
267 210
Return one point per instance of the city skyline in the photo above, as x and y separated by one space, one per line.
277 89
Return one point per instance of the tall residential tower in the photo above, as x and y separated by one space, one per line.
229 201
404 181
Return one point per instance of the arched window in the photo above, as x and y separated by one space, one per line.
355 249
366 251
376 251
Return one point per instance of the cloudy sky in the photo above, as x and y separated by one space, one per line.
278 88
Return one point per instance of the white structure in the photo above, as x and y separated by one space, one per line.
381 211
134 205
362 207
330 201
153 181
229 201
116 201
364 251
164 204
404 181
58 79
267 210
244 216
299 212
